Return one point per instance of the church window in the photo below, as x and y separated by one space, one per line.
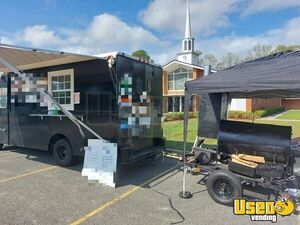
178 78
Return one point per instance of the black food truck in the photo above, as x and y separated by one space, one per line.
117 96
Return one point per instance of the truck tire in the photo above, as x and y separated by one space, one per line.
63 153
223 187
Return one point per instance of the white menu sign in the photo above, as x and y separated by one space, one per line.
100 161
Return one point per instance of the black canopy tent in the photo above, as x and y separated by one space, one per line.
273 76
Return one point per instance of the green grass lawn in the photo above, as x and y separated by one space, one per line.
173 132
290 115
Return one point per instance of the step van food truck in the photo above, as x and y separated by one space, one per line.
117 96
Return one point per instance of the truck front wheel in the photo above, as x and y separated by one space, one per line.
63 153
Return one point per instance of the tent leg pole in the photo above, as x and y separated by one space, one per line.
183 182
184 193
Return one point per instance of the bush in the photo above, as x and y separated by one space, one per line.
259 113
172 116
254 115
267 112
240 115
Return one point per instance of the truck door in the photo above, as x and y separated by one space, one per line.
4 109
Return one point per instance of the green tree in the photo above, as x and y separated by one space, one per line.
259 51
229 59
210 59
141 54
198 52
283 48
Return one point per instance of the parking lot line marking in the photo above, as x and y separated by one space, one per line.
28 174
120 197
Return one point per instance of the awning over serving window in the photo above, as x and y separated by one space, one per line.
26 58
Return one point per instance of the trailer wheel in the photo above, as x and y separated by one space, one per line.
1 146
62 152
223 187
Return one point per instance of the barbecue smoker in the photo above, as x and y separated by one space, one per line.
247 153
225 178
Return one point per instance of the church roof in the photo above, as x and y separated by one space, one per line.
174 64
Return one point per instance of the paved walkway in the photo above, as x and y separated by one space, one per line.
275 117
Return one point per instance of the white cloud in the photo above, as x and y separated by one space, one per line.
286 35
6 40
289 34
169 15
165 54
108 33
40 36
104 33
255 6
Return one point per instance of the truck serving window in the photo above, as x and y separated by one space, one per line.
61 86
99 107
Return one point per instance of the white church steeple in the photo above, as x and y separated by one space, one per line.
188 54
188 29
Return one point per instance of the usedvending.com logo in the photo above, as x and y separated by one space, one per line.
263 210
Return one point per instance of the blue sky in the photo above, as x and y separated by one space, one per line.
60 13
97 26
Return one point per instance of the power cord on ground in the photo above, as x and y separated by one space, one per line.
171 205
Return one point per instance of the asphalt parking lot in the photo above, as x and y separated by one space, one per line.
35 191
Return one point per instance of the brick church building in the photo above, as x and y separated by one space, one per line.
187 67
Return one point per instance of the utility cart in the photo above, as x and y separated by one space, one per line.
225 179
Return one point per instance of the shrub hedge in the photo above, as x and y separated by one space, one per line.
240 115
254 115
268 112
172 116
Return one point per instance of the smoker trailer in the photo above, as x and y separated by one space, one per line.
274 76
118 97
